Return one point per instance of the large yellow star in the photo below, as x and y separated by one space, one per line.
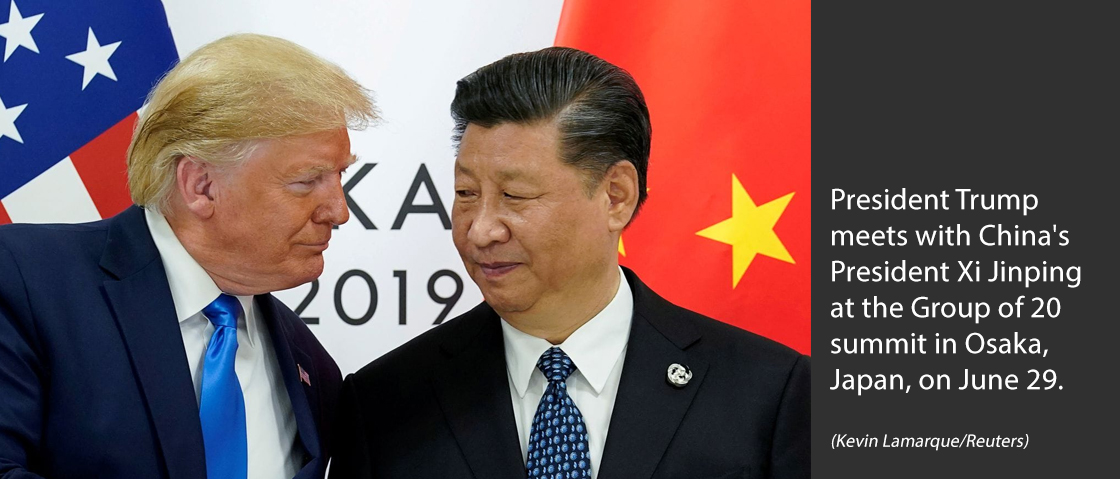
749 230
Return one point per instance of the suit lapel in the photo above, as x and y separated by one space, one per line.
291 359
142 305
648 410
473 391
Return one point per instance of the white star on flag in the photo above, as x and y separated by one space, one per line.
8 121
95 59
18 31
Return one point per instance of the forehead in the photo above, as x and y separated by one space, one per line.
509 149
323 150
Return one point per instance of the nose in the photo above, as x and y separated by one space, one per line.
333 209
487 227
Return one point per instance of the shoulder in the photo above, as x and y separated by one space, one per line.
725 340
723 344
52 242
737 363
51 257
417 357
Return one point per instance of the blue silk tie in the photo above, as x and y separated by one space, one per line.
558 440
221 407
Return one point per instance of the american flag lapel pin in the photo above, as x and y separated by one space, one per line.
303 376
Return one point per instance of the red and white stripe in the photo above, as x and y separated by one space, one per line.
88 185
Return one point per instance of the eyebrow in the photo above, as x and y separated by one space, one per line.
507 175
323 169
504 175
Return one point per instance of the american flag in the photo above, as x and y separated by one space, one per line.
303 376
72 77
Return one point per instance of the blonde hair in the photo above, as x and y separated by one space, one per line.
222 99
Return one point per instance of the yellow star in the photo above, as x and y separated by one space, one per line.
749 230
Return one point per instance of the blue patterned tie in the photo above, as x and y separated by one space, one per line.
558 441
222 407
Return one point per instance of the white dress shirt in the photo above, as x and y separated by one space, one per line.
269 421
597 348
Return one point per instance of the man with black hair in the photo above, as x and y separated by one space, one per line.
572 367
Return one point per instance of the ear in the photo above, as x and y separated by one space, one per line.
194 182
621 182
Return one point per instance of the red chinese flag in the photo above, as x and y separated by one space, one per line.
725 231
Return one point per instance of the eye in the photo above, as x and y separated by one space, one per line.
464 193
304 186
513 197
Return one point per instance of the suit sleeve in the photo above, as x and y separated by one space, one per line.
351 446
21 410
790 455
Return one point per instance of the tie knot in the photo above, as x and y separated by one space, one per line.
556 365
223 311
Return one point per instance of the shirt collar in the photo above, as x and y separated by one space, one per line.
594 348
192 288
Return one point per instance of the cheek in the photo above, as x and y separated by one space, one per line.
277 231
256 213
459 228
569 234
462 217
541 237
292 214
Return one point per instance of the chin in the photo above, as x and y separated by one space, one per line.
305 276
504 304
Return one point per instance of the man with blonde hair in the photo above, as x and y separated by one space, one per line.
148 345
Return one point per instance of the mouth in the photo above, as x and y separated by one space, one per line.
497 269
316 246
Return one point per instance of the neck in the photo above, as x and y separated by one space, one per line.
190 235
556 324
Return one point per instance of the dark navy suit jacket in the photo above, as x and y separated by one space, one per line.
439 406
94 379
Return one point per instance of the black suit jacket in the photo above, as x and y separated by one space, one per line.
439 406
93 371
